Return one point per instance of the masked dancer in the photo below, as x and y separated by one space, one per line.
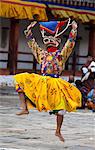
49 92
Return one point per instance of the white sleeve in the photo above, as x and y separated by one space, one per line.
92 69
92 66
85 70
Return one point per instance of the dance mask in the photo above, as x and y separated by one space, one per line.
50 32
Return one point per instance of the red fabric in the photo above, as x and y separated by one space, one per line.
60 24
52 49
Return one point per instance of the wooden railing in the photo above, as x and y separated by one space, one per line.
34 69
86 3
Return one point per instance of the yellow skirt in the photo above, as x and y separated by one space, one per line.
49 93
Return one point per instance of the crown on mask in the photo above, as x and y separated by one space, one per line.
53 28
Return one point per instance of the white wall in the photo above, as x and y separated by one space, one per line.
83 47
23 47
4 40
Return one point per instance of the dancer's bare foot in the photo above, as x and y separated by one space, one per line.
23 112
60 136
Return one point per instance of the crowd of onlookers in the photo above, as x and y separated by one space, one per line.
86 84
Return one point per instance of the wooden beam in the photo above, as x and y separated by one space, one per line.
34 65
74 63
4 72
13 46
91 49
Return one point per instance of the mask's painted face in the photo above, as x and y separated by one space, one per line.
51 42
54 28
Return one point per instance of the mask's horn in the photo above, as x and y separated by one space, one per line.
43 33
68 24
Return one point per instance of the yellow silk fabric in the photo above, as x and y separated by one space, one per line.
49 93
79 14
19 9
22 10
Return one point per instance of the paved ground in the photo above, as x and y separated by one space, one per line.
36 130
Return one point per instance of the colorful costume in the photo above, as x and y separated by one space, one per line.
48 91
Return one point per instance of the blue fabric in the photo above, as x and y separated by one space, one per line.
52 75
90 95
51 25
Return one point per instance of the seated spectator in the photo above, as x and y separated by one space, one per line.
88 70
83 91
78 84
91 100
88 76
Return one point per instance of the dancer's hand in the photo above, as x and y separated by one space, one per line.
28 33
31 25
74 25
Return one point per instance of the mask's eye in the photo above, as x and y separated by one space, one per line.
46 40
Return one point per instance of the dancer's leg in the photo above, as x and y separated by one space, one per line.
59 121
23 104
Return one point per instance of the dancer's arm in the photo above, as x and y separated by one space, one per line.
69 45
35 48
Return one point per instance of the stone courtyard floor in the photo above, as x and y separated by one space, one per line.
36 130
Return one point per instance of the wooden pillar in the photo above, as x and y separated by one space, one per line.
34 65
91 49
13 46
74 63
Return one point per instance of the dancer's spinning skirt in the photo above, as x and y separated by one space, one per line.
48 93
